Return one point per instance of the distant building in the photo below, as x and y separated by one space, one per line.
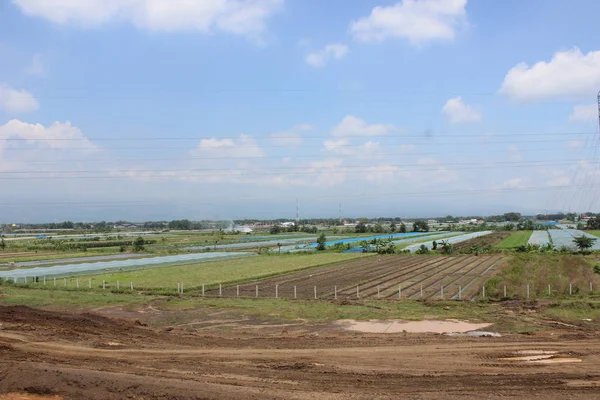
287 224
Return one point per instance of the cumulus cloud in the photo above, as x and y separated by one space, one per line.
243 147
334 51
242 17
456 111
569 73
352 126
17 101
58 135
292 137
582 113
418 21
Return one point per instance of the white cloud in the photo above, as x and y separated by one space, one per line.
569 73
243 17
58 135
334 51
456 111
36 67
292 137
514 183
17 101
355 127
418 21
243 147
582 113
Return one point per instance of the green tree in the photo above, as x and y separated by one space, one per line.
138 244
276 229
361 227
446 247
420 226
434 245
583 242
2 243
402 228
393 227
321 240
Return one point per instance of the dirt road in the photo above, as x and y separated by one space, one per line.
88 356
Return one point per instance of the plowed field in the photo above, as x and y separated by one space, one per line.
390 277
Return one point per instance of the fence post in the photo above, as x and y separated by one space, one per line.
483 291
460 292
65 282
335 292
276 291
378 291
295 291
256 290
131 285
549 290
505 291
54 282
45 283
77 282
203 289
104 285
315 292
570 289
237 288
357 293
442 292
528 290
220 290
118 285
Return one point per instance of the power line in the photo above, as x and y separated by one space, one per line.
257 146
337 167
287 137
466 192
407 153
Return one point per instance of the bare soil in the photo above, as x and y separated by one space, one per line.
61 355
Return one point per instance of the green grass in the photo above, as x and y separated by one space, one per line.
224 272
58 298
595 233
515 239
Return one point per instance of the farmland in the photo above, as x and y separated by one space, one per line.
382 277
515 239
229 271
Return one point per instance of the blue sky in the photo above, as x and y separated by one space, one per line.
163 109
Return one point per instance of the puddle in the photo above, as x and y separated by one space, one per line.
396 326
558 361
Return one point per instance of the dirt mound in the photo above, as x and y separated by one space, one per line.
72 327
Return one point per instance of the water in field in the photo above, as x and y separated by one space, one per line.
131 264
396 326
564 238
